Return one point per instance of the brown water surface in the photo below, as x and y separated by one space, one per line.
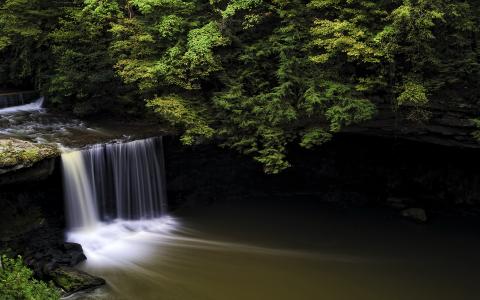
292 250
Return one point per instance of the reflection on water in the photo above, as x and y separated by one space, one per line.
271 250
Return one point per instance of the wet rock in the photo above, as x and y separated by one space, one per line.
416 214
72 280
43 259
44 249
21 175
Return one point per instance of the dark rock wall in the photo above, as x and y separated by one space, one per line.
34 195
350 169
38 172
450 124
32 224
32 218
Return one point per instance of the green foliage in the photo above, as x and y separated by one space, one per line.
342 37
239 5
24 26
199 57
255 75
17 282
178 112
83 74
414 95
314 137
476 133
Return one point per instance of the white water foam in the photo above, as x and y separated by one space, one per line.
30 107
122 242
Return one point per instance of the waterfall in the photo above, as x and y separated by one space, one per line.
19 106
119 181
82 211
12 99
17 98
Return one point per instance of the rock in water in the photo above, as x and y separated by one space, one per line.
72 280
417 214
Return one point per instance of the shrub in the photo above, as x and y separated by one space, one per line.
17 282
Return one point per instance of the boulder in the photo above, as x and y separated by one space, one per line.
45 257
72 280
416 214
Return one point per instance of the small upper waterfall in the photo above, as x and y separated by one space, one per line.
11 99
114 181
19 106
17 98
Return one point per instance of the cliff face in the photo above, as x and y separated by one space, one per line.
351 169
450 124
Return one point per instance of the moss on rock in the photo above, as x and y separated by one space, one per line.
19 154
72 280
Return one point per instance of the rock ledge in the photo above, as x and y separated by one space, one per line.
17 154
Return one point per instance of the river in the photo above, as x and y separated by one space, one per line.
280 249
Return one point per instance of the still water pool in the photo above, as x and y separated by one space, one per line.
283 249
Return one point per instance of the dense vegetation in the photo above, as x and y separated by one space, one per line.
255 74
17 282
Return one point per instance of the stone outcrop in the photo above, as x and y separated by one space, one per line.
450 124
72 280
351 169
22 161
17 154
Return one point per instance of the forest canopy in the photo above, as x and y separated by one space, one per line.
256 75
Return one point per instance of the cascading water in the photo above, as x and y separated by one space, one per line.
18 106
11 99
82 211
114 191
114 181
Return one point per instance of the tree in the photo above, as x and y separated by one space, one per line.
24 26
257 76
